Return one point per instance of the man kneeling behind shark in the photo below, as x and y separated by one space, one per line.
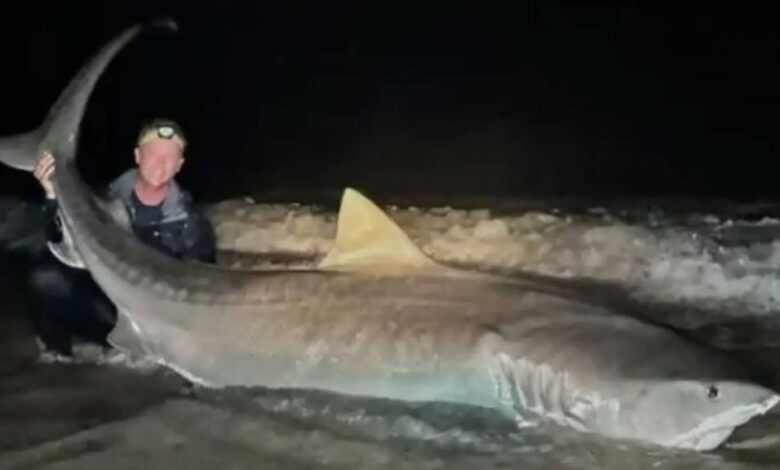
159 212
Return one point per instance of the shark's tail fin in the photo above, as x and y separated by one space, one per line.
59 132
20 151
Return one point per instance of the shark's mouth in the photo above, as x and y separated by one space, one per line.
713 431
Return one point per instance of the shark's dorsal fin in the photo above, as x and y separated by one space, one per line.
368 240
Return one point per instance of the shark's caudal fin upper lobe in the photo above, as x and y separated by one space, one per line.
59 131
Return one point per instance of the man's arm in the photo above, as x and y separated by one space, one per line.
43 171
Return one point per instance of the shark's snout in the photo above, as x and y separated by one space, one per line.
716 429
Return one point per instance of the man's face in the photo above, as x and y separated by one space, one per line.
158 161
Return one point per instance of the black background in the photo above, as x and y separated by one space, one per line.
564 99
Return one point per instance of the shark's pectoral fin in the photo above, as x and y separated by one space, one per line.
65 250
368 240
66 254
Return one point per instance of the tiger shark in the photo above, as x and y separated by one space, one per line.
377 317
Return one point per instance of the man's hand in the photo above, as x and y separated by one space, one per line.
43 171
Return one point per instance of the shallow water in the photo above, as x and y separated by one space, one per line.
109 412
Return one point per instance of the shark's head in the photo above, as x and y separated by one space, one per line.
694 414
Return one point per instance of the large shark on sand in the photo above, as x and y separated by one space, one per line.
377 317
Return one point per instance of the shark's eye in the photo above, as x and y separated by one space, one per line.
712 392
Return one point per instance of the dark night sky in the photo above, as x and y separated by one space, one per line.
540 99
